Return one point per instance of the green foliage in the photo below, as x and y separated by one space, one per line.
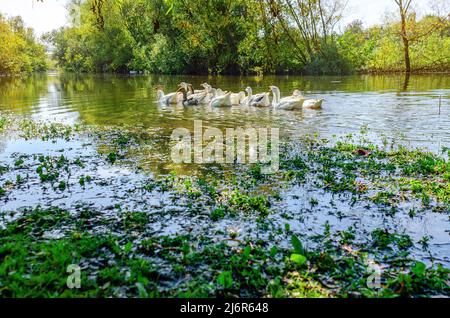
380 48
231 37
19 50
298 246
249 203
298 259
225 279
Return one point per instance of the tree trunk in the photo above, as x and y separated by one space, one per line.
403 7
406 45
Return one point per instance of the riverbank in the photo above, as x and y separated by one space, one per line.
137 73
339 219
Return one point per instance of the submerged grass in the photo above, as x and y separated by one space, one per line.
120 255
33 265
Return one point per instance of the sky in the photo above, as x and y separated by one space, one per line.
52 14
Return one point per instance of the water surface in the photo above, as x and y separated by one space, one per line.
391 107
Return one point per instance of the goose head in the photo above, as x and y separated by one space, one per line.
159 92
276 94
219 92
297 93
273 89
207 87
183 91
184 85
190 88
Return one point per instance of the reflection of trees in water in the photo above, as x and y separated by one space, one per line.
406 81
130 101
3 141
21 94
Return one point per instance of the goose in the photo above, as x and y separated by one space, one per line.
206 86
221 101
258 100
313 103
236 98
189 92
286 103
189 89
191 100
246 100
297 93
200 96
220 92
171 98
309 102
211 93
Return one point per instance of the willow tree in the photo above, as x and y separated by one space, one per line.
310 24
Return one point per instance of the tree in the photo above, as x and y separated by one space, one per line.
309 23
410 33
19 50
403 6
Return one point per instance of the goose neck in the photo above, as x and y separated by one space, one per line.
160 94
276 95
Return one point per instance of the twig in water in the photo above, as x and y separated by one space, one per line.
440 99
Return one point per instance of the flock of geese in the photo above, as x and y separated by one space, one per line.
215 97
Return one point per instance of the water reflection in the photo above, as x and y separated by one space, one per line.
393 106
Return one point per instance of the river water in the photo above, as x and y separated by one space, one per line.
412 111
386 104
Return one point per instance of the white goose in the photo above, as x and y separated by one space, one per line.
258 100
189 92
192 100
313 103
236 98
297 93
247 99
221 101
220 92
211 93
199 96
286 103
309 102
171 98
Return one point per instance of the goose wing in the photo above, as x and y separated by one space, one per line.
260 100
290 103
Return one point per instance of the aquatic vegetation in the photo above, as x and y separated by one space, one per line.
84 179
220 234
3 122
382 239
217 214
249 203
